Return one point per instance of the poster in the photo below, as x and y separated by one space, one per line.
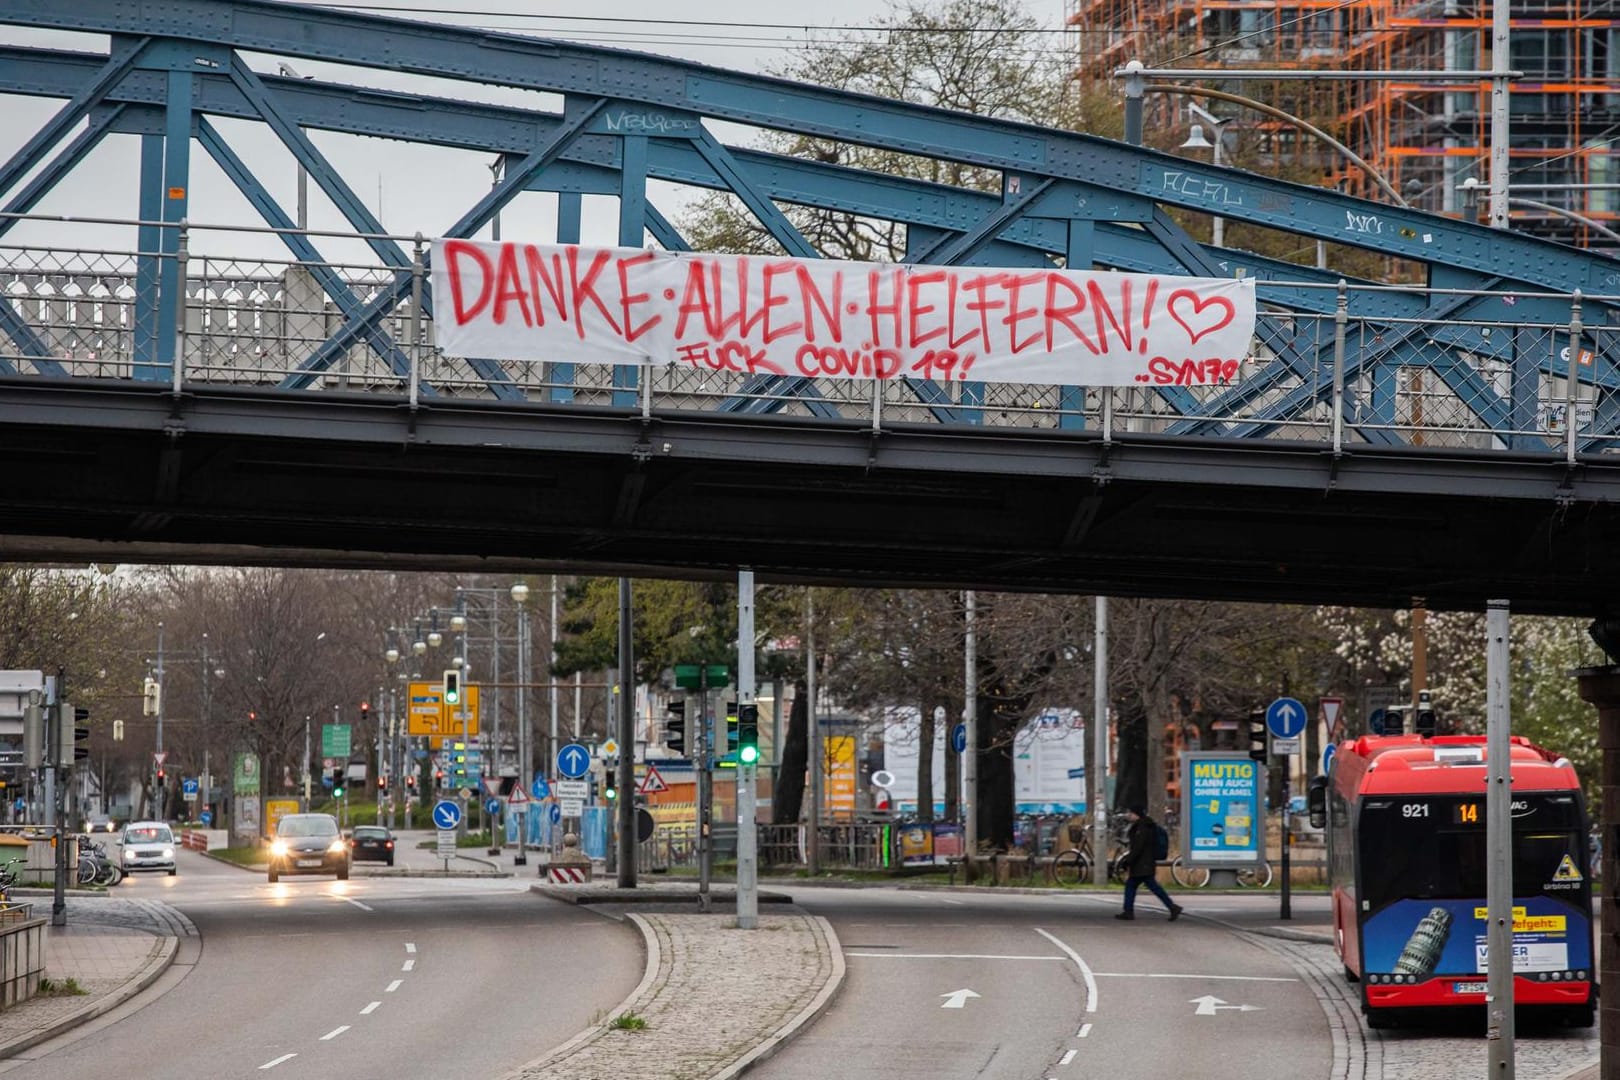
821 318
1049 764
840 776
902 755
1428 937
1221 819
245 790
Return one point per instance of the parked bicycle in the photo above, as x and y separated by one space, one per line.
95 868
1072 866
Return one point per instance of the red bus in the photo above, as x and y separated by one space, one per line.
1405 818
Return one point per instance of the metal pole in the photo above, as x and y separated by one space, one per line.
747 772
524 757
157 758
1341 324
1572 390
626 810
1097 768
705 780
305 807
555 700
1500 77
817 764
1499 844
970 718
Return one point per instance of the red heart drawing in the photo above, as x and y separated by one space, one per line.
1199 305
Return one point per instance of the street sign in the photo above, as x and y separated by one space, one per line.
447 844
428 715
518 801
573 808
883 778
1332 710
694 676
206 817
492 806
1285 718
159 757
573 761
446 814
555 813
959 738
610 748
1327 755
188 788
652 783
646 825
540 789
492 785
573 789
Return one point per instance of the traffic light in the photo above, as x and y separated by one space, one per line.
675 727
151 697
610 785
748 734
452 687
160 776
1425 720
33 736
337 782
382 786
365 711
1257 735
458 761
73 733
724 747
410 784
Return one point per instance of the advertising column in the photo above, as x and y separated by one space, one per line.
1221 821
245 820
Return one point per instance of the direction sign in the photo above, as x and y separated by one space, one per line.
446 814
336 741
959 738
206 817
428 715
573 761
492 806
555 813
1327 755
188 788
540 789
573 789
1285 718
652 783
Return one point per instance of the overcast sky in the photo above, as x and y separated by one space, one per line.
417 188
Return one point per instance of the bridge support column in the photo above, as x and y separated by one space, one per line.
1600 687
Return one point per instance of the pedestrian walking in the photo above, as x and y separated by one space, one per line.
1141 863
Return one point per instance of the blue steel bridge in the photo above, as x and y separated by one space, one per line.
245 391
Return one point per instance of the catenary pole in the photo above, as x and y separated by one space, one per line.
1499 1033
747 771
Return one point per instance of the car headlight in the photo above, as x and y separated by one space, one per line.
129 856
338 847
278 848
168 853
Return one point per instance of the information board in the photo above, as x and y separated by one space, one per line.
428 715
1222 823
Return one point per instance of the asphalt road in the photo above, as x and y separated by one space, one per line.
370 978
1058 987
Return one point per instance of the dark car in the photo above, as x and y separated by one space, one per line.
371 843
309 844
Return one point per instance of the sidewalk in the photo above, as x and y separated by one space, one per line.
113 949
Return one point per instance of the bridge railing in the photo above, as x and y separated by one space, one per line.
107 311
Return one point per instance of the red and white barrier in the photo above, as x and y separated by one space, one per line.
568 875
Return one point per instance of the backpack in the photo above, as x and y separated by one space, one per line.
1161 842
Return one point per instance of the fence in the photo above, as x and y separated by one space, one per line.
22 954
1342 364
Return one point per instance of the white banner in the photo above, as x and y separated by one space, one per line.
840 320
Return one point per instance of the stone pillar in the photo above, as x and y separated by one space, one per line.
1601 687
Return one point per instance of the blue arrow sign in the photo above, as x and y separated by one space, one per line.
1327 756
1285 718
573 761
540 789
446 814
206 817
492 806
189 785
959 738
556 812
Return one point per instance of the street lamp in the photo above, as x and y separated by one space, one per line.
1196 141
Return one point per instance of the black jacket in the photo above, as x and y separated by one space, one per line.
1139 860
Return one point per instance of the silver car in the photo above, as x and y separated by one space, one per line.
147 845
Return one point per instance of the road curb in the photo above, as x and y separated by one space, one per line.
807 1016
168 948
649 974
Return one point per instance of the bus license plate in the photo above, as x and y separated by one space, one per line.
1468 988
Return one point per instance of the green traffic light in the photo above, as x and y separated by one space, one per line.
748 755
610 794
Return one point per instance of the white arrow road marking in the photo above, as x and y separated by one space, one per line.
1209 1003
957 999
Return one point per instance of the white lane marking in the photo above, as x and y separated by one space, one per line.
369 1009
334 1033
395 985
1067 1057
949 956
1085 1029
1085 972
410 946
409 965
1173 975
277 1061
356 903
948 900
957 999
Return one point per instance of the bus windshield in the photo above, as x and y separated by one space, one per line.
1427 846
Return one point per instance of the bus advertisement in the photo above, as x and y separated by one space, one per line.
1405 818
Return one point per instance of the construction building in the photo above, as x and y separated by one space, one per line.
1427 138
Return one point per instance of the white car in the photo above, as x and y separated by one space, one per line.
147 845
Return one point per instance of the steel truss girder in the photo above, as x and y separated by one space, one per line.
762 101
